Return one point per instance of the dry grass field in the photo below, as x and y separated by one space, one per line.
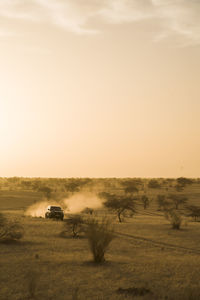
145 253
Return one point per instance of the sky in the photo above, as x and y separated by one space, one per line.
100 88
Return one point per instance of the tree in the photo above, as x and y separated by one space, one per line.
36 184
194 212
120 204
26 184
163 204
131 189
153 184
184 181
177 200
73 185
179 187
145 201
130 186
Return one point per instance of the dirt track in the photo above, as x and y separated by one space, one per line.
159 244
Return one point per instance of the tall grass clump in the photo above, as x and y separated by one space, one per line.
99 235
74 225
10 230
174 218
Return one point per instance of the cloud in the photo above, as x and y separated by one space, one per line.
175 17
118 11
66 15
179 17
17 9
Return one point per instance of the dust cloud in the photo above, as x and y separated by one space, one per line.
39 209
78 202
74 204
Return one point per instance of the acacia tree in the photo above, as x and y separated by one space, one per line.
145 201
177 200
74 185
153 184
194 212
131 189
163 204
179 187
120 204
131 186
182 181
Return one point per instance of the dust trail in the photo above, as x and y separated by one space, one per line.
79 201
74 204
39 209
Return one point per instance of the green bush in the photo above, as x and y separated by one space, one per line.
99 234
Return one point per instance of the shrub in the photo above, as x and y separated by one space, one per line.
88 210
153 184
99 234
75 225
131 189
179 187
10 230
174 217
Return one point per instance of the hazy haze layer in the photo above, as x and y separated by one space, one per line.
100 89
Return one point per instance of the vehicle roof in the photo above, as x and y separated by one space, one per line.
53 206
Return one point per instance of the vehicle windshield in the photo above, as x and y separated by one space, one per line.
55 208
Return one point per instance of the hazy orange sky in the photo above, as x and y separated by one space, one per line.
100 88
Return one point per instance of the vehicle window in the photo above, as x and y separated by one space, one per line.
55 208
